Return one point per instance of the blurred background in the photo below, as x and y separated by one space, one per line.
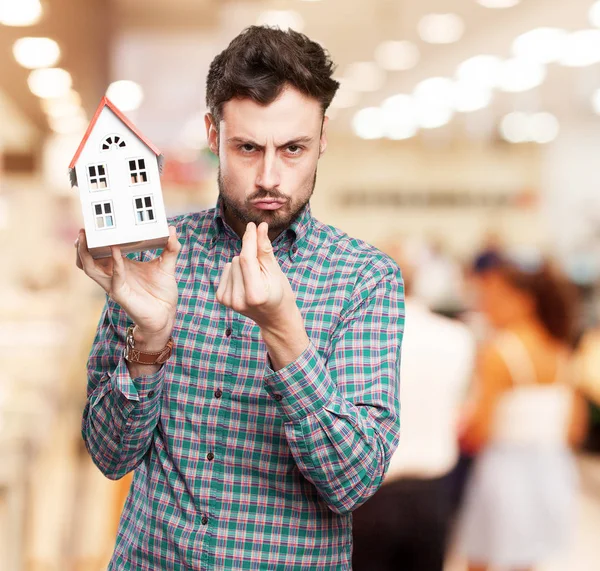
460 126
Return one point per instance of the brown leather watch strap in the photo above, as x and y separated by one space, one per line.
134 355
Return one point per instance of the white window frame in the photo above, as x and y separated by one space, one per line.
104 215
137 171
97 177
144 209
121 144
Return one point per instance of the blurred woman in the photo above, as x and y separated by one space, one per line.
520 502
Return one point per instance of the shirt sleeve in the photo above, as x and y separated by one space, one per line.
121 413
342 414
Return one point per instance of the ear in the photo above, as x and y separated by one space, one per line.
323 141
212 133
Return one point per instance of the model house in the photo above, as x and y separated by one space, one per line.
117 172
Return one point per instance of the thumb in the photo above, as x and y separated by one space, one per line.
265 252
168 258
118 273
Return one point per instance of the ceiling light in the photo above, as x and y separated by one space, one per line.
126 95
20 12
434 102
543 128
432 117
368 123
581 48
469 97
594 14
517 75
71 98
49 82
397 56
364 76
399 117
596 101
513 127
34 53
68 125
498 4
283 19
480 70
435 91
541 45
441 28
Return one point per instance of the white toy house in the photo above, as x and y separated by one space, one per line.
117 171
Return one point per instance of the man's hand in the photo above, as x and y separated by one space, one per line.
254 285
147 291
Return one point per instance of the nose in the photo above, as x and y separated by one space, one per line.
268 176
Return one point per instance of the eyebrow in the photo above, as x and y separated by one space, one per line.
241 140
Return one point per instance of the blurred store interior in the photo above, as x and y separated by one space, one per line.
460 124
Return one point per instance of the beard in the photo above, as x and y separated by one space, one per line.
278 220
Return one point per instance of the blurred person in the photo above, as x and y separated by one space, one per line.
588 382
520 500
276 411
438 279
405 524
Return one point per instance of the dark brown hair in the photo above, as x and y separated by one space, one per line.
261 61
555 298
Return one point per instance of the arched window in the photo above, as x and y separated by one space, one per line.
113 142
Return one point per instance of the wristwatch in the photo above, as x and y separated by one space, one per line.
133 355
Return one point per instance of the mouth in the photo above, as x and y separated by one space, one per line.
267 204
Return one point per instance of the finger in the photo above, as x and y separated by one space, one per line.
118 275
265 248
223 283
90 266
77 257
238 292
248 258
227 294
168 258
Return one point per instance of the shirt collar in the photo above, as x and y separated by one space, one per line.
293 239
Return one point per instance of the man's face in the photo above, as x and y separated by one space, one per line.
268 158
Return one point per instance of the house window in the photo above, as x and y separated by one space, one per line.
144 209
104 215
97 177
137 170
113 142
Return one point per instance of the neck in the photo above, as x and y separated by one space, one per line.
528 324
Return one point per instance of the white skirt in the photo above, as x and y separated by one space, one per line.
519 505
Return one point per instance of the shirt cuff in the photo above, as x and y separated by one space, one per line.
147 387
302 387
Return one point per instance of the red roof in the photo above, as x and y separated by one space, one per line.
106 102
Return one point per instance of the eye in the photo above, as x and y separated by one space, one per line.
295 149
247 148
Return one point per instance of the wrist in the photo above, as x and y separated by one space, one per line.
288 321
151 340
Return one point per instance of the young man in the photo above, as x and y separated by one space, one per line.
277 411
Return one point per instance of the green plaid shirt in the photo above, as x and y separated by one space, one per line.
237 466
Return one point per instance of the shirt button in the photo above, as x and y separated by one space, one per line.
278 398
228 331
218 393
204 520
210 456
150 394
